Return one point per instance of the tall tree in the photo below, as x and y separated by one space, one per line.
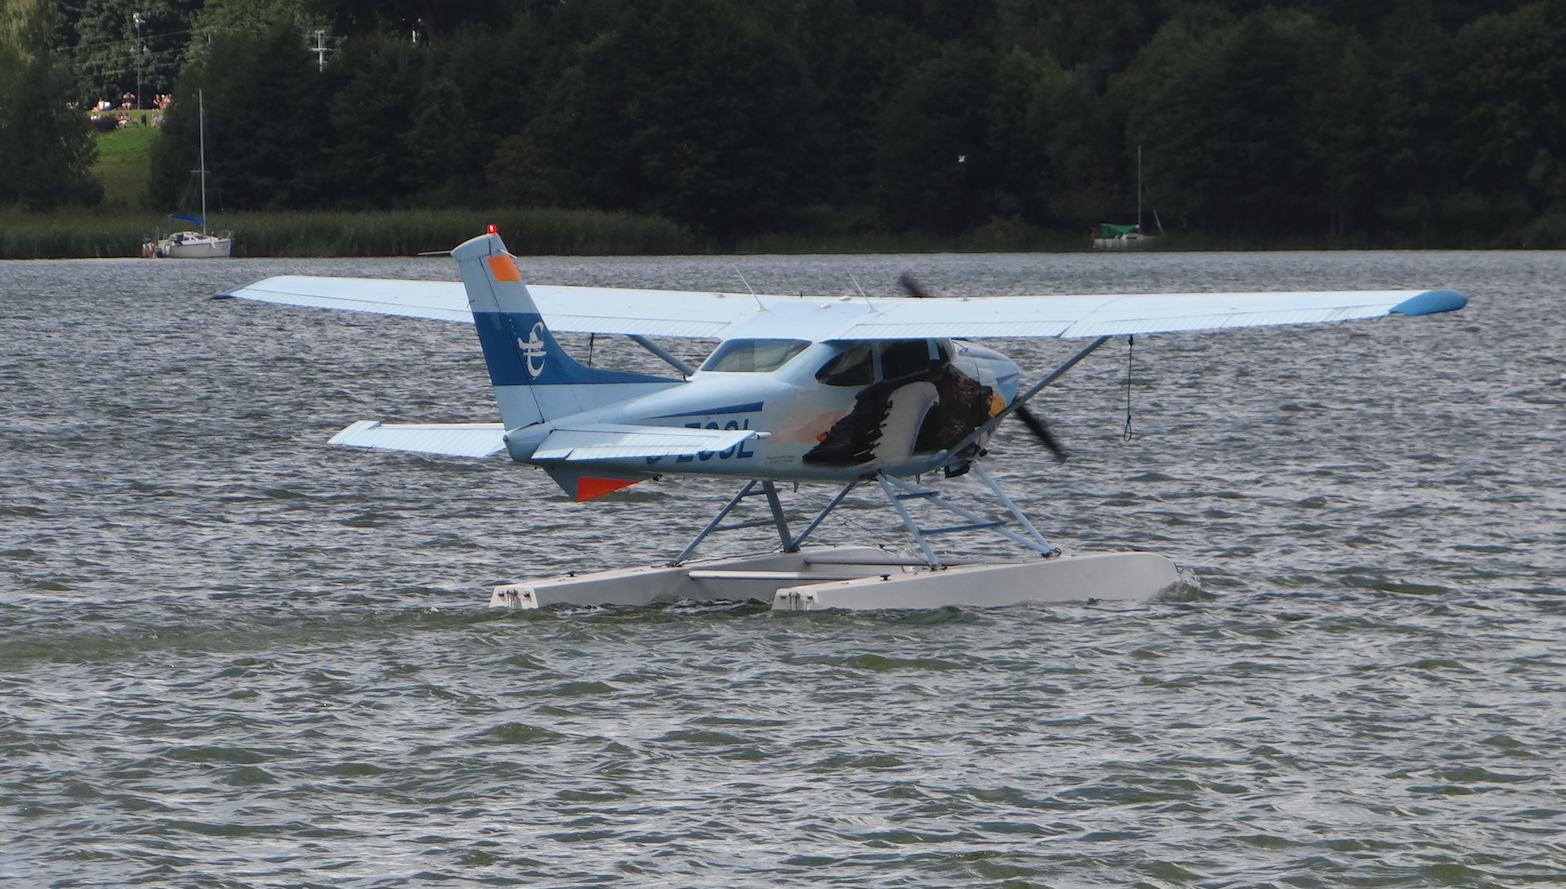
934 170
1056 145
715 140
1228 112
46 148
267 127
374 84
478 88
1511 87
109 53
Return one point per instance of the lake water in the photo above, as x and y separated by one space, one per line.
231 656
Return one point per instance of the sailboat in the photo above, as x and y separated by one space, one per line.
1112 236
192 244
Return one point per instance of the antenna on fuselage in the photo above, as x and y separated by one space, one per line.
861 291
748 287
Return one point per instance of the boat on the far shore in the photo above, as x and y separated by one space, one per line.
1129 236
191 244
1123 237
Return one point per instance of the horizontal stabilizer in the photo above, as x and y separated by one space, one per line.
451 440
611 441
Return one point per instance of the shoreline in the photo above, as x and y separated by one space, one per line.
119 233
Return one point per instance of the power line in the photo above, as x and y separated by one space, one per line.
69 49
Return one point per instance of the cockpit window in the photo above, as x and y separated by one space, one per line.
753 356
864 362
855 367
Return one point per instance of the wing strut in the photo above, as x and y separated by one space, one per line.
685 369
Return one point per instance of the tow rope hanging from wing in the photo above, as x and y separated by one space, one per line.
1130 348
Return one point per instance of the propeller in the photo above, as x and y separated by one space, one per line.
1028 418
1041 432
911 287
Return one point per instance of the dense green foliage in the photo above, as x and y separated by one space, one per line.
1343 121
46 149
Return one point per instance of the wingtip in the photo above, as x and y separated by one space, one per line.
233 292
1430 302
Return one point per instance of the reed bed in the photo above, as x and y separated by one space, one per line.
68 235
98 234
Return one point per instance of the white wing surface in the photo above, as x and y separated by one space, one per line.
576 309
723 316
454 440
1082 316
441 300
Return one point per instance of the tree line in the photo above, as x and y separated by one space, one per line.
1346 121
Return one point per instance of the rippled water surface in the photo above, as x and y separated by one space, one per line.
231 656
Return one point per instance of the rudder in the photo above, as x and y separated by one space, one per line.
534 379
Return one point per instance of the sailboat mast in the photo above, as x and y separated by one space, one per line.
1139 189
201 108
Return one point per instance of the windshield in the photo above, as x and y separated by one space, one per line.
753 356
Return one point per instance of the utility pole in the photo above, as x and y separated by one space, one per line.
139 53
320 47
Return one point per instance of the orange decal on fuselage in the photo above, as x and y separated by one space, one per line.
587 487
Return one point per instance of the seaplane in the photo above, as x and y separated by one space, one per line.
884 396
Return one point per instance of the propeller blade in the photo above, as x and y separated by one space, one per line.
1041 432
911 287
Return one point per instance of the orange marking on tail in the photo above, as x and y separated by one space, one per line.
503 269
587 488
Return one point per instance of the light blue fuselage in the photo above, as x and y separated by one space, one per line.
789 404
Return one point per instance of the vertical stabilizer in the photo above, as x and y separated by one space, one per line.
534 379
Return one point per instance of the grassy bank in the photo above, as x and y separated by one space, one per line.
124 164
120 232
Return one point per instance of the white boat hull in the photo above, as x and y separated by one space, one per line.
190 245
1131 241
854 578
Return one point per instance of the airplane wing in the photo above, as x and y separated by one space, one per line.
576 309
1083 316
722 316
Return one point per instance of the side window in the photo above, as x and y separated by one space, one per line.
856 367
904 358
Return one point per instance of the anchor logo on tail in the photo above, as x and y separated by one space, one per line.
533 350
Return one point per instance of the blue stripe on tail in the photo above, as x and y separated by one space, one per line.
520 351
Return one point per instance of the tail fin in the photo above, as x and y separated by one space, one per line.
534 379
